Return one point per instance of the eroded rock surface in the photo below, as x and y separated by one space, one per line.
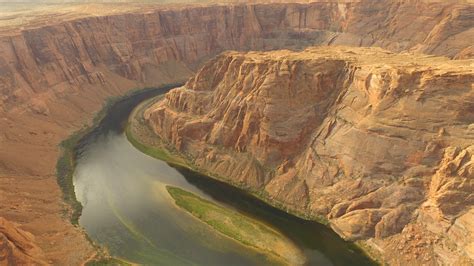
17 246
136 46
380 144
55 73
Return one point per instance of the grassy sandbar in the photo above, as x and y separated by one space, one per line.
239 227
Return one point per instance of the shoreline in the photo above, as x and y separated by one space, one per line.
155 147
66 163
268 254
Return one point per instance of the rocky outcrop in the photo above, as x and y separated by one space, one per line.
55 75
379 144
16 246
145 46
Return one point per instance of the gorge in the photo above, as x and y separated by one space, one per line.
54 76
350 136
126 208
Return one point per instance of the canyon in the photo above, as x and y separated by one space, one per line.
352 136
55 75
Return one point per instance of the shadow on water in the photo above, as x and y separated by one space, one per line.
308 234
117 114
126 209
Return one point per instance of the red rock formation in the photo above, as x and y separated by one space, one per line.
374 142
16 246
53 79
136 46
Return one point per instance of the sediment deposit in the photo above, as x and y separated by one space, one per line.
377 143
55 73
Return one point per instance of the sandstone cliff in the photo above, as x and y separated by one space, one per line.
55 74
136 45
16 246
379 144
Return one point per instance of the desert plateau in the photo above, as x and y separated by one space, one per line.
326 132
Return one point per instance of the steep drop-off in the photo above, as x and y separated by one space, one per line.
379 144
55 75
135 45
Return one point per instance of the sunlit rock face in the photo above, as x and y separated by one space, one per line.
380 144
146 47
54 75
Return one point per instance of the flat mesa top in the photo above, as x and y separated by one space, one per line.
373 57
20 15
15 17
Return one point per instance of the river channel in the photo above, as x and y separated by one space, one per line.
126 207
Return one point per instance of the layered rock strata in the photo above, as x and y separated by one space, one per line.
377 143
135 45
54 75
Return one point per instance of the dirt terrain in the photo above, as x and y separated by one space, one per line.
57 71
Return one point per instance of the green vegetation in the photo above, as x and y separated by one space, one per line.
66 162
137 131
161 154
108 261
142 137
64 172
149 252
65 169
239 227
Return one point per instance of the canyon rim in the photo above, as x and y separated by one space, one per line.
377 140
347 135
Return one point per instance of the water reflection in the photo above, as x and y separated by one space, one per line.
127 209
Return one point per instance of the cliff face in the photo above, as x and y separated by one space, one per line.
53 79
136 46
379 144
